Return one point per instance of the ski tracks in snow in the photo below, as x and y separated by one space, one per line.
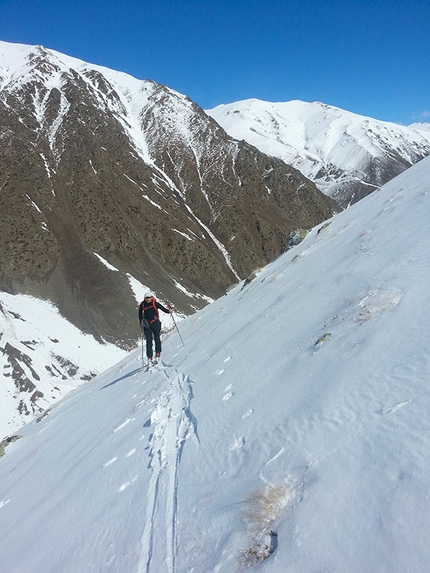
171 423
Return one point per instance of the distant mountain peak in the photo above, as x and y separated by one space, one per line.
346 155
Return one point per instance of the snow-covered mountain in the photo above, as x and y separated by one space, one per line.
291 428
95 163
111 186
347 155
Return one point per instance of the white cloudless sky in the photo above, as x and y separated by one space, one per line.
371 57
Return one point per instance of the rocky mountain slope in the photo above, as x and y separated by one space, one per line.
346 155
95 163
111 186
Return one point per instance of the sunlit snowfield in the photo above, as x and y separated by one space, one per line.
289 433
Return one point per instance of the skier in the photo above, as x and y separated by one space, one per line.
149 321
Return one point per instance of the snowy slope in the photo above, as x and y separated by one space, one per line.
42 358
342 152
295 418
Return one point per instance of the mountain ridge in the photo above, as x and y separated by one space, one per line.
346 155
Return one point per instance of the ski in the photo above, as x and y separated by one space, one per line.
149 366
152 365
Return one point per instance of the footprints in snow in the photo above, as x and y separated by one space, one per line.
228 391
391 409
222 370
238 442
110 462
126 484
127 421
171 422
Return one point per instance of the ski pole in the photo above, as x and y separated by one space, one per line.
174 322
143 362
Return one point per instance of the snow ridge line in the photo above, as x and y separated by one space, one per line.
172 423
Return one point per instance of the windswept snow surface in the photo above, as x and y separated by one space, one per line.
294 420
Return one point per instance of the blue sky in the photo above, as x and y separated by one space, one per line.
371 57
